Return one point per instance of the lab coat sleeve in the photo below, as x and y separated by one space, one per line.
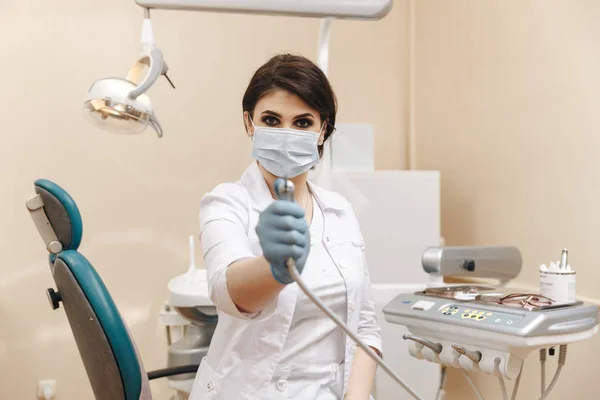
224 219
369 330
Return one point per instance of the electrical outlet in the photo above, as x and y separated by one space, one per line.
46 389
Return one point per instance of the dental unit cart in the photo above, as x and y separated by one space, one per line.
480 328
190 319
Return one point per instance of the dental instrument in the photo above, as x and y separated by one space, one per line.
122 106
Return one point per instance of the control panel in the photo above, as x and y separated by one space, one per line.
482 316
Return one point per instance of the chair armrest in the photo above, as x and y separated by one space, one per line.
179 370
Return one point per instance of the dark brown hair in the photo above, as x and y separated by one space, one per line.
297 75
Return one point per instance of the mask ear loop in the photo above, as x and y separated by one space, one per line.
321 142
253 126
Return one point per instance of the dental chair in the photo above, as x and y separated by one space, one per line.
108 352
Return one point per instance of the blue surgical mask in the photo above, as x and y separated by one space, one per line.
284 152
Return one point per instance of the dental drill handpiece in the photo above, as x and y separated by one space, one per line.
284 190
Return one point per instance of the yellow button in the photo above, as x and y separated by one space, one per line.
454 312
489 314
445 310
467 311
481 312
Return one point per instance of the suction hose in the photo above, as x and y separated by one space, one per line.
284 189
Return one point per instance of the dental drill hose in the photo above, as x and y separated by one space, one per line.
284 190
543 369
562 359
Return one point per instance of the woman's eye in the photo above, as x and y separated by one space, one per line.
270 120
304 123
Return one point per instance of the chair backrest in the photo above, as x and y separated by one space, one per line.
107 350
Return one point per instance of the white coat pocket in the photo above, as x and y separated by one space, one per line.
206 384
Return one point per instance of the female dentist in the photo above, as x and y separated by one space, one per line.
271 341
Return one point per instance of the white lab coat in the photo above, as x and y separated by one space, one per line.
244 350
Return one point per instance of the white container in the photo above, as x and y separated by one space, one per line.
558 283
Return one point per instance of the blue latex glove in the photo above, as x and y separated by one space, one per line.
283 233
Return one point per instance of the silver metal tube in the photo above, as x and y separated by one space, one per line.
436 347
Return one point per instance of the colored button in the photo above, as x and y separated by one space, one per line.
489 314
465 315
468 310
445 310
474 316
481 317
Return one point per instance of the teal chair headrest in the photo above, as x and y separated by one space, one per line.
62 212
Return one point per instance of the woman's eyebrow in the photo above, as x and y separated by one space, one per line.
304 115
273 113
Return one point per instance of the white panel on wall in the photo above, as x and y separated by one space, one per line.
399 214
353 148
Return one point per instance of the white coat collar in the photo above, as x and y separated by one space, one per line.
261 197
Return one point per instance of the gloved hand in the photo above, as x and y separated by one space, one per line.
283 233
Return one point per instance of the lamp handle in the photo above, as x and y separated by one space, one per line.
154 60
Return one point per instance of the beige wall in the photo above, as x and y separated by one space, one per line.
507 110
139 195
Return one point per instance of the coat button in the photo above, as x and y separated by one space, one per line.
281 385
351 306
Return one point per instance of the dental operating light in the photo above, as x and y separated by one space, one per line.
121 105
